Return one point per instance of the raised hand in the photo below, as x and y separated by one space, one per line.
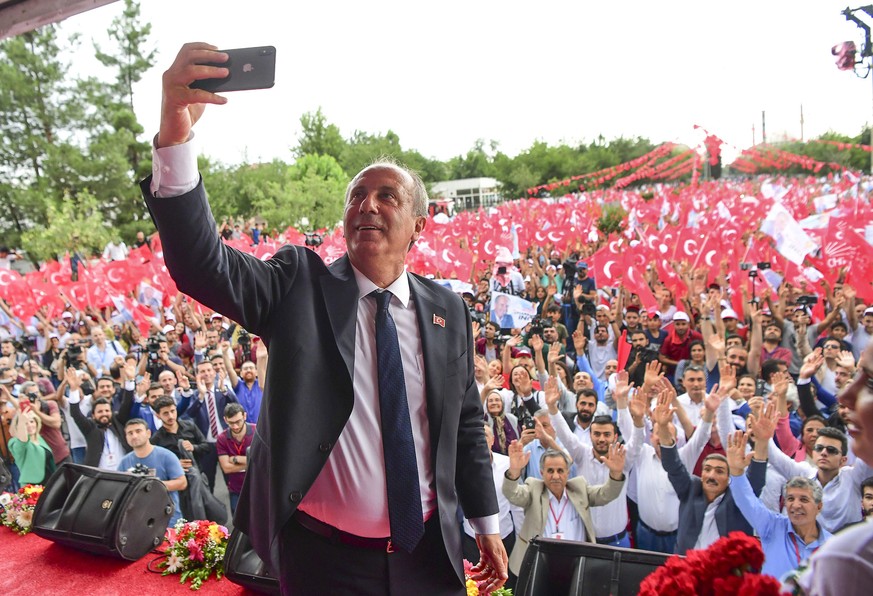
779 382
728 375
846 360
518 458
143 386
811 365
476 328
579 341
74 381
664 411
552 394
622 389
713 399
183 381
129 371
716 342
555 353
614 460
199 340
653 373
764 425
535 342
736 452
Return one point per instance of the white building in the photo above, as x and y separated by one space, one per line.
468 193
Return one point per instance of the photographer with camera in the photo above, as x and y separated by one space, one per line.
504 277
102 352
50 421
244 351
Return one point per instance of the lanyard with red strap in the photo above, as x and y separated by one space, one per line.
797 548
557 518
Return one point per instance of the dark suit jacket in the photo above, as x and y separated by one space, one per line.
198 412
692 501
306 312
94 434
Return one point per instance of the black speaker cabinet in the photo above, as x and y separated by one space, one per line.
559 567
244 567
106 513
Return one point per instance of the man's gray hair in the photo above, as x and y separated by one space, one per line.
541 413
803 482
419 190
554 453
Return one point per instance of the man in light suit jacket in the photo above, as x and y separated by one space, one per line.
545 501
314 502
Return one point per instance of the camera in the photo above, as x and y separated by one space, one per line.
312 239
501 270
32 397
244 338
807 300
153 346
588 309
536 327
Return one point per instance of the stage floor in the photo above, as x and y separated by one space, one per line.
31 565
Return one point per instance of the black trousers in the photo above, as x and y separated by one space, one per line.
312 564
208 464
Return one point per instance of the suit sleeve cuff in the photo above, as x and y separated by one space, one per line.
486 525
174 169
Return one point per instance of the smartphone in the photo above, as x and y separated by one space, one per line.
250 68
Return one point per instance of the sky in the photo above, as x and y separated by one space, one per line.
443 74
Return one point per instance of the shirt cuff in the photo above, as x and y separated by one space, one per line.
174 169
129 385
802 381
73 397
486 525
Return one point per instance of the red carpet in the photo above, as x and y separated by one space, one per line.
30 565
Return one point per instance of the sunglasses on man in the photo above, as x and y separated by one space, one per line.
830 449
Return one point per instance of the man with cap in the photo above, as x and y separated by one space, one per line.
677 344
654 333
862 333
732 324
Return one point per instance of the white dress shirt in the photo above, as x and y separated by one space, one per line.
562 520
709 529
350 493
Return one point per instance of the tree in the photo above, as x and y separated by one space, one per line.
75 217
319 137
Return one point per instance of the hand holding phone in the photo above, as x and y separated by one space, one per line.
249 68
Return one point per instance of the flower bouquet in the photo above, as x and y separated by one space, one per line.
17 508
474 589
195 549
728 567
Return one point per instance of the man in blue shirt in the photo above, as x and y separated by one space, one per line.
245 386
164 465
787 540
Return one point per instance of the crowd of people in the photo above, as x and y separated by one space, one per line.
180 402
663 428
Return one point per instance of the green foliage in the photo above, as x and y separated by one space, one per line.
611 221
78 216
319 137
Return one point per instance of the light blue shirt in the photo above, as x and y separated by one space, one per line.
784 550
536 450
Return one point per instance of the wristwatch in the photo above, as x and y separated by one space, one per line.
233 460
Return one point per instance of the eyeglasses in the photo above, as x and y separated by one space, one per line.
829 449
831 347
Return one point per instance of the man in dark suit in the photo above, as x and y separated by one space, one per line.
315 499
707 510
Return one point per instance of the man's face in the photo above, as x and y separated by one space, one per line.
632 318
601 335
550 335
236 422
546 423
495 368
715 478
491 331
730 324
582 380
839 332
602 436
582 273
681 328
153 394
867 500
610 368
501 306
6 348
695 384
379 224
746 387
737 358
207 371
831 348
212 338
842 377
137 435
773 334
167 381
248 372
98 336
828 455
639 340
653 324
555 474
801 506
105 388
868 323
168 415
103 414
601 315
585 407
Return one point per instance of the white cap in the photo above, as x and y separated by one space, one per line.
67 314
681 316
868 311
729 313
54 336
167 329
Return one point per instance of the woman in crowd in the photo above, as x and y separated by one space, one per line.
503 424
32 454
